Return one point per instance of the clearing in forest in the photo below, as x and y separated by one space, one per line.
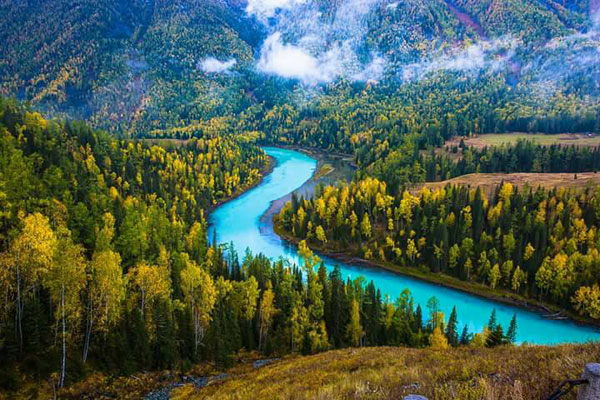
546 180
496 139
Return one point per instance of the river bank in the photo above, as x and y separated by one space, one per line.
246 222
272 163
342 169
477 289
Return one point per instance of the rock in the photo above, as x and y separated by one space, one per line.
591 391
262 363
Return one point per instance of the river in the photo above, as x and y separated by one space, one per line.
239 222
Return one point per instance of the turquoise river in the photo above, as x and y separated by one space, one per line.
239 221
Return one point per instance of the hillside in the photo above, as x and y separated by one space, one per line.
545 180
126 125
143 65
514 373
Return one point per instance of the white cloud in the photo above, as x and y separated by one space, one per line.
267 8
212 65
373 71
296 62
290 61
488 55
315 48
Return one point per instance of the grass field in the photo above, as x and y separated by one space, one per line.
507 373
495 139
546 180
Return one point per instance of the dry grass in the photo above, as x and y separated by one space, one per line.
516 373
546 180
495 139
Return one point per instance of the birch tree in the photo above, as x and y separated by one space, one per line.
267 312
29 257
64 280
200 293
151 282
106 292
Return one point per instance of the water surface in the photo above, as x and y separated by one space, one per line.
239 221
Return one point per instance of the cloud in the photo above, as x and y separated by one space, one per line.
315 47
484 55
565 60
212 65
373 71
290 61
295 62
267 8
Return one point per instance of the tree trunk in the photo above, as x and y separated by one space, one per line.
64 340
143 301
19 314
196 329
88 331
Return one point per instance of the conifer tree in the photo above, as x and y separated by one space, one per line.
491 325
451 328
511 334
464 336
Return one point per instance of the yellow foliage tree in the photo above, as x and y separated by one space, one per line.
587 301
437 340
29 257
64 280
106 292
354 330
200 293
152 283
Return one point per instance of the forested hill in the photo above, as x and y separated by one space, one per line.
142 65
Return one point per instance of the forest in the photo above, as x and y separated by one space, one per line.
124 124
539 243
106 264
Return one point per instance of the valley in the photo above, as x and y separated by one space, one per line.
299 198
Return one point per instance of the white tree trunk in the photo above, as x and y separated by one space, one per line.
64 340
19 314
88 331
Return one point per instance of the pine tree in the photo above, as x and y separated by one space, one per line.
465 336
492 321
451 328
496 337
511 334
418 319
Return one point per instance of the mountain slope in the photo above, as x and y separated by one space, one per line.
112 61
379 373
136 66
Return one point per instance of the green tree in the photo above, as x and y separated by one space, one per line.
200 293
451 328
354 329
511 334
65 280
267 312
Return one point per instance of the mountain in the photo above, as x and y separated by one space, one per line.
137 66
112 61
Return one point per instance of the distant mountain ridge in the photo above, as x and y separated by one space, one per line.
139 65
